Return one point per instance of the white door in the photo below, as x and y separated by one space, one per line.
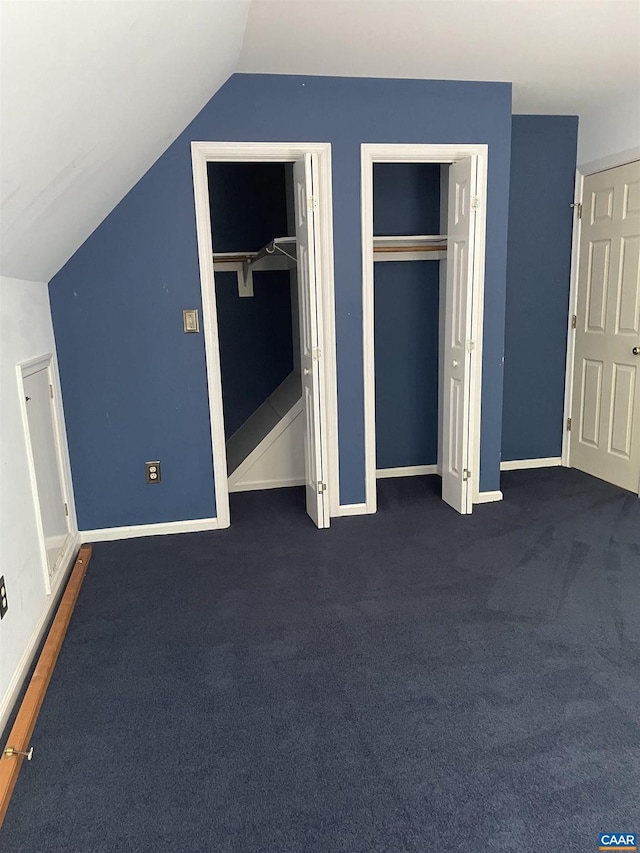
46 465
457 346
310 311
605 409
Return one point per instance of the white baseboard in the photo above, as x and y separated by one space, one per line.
109 534
522 464
351 509
409 471
22 670
488 497
65 559
257 485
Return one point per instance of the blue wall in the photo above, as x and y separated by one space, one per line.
256 342
406 200
248 204
543 163
248 209
406 336
134 384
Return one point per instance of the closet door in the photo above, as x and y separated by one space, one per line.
457 345
310 337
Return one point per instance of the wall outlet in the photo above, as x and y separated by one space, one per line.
152 470
4 604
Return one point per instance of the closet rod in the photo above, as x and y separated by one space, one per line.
229 258
252 257
432 248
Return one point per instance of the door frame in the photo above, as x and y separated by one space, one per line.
266 152
27 368
437 154
584 170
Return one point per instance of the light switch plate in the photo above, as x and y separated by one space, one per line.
190 320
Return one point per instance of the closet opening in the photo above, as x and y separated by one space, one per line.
254 261
264 317
409 245
423 247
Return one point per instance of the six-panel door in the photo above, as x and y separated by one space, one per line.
605 428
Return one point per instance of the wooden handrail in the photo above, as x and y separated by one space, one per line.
20 735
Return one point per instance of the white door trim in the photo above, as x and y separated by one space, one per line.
27 368
583 170
573 301
265 152
392 153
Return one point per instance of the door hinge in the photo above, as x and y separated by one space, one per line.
471 346
51 391
577 206
66 510
475 202
322 487
466 474
312 204
569 424
574 321
316 353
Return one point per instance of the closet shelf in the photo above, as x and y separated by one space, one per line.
416 247
279 254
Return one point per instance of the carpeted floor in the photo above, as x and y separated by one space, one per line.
410 681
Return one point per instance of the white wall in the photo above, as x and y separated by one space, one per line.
610 128
25 332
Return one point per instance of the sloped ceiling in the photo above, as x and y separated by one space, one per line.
92 93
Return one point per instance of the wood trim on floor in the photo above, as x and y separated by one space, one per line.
25 722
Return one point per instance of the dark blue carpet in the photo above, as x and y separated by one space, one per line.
410 681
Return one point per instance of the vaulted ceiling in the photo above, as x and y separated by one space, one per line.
92 94
94 91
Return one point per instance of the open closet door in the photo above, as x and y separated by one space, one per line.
457 346
310 337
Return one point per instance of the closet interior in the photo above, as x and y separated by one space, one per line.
254 260
409 253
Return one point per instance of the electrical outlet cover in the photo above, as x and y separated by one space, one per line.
4 604
153 472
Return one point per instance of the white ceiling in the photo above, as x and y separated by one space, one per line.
93 91
561 55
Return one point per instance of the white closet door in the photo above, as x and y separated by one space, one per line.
310 337
457 346
605 416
